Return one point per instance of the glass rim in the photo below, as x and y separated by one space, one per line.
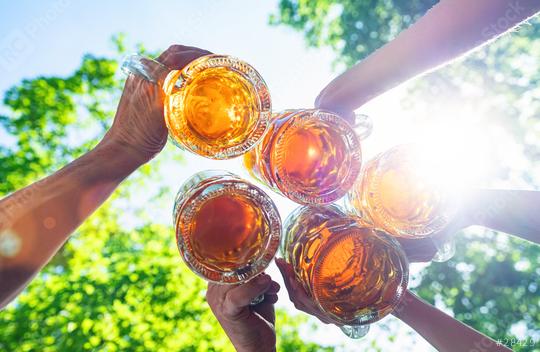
262 94
296 120
184 215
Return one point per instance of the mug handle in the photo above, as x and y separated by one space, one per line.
446 248
145 67
355 331
362 125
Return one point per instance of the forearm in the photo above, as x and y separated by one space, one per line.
449 30
441 330
37 220
513 212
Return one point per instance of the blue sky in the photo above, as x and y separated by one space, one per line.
50 37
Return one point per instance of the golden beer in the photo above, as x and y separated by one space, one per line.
310 156
216 106
398 193
227 230
355 274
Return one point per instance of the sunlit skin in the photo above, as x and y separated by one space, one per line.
218 106
250 328
227 232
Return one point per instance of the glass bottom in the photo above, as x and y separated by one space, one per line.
445 250
355 331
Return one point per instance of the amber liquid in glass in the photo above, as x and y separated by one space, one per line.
396 196
355 273
310 162
218 106
227 232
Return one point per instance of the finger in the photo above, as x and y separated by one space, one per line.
283 268
179 47
289 278
179 59
241 296
266 310
323 102
216 293
270 298
297 293
274 288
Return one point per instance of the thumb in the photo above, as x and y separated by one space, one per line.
242 295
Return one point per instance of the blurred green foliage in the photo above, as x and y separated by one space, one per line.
351 28
493 282
110 288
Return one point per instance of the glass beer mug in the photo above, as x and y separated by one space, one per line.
311 156
227 230
355 275
400 192
216 106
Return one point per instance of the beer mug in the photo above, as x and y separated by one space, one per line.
400 192
227 230
311 156
355 275
217 106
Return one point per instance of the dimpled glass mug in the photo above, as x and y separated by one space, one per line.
217 106
227 230
400 192
354 274
311 156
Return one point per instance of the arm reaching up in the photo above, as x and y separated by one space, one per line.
442 331
450 29
37 220
510 211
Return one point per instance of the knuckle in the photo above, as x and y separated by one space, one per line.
174 47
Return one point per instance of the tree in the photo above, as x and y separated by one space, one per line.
492 282
353 29
112 287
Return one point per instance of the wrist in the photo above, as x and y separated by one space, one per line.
113 161
116 146
405 306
